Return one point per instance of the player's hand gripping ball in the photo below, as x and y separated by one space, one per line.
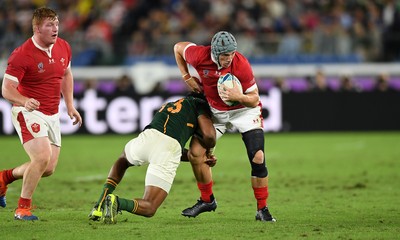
226 81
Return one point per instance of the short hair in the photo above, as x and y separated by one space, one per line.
41 14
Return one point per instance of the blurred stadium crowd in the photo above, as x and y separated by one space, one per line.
107 32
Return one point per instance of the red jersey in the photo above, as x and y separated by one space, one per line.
200 58
40 73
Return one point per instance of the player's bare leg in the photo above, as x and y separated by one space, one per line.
197 158
10 175
202 172
152 199
254 142
41 154
147 206
260 188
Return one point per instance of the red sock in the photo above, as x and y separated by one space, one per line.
206 191
24 202
8 177
261 195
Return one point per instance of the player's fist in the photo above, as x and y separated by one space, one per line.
211 160
31 104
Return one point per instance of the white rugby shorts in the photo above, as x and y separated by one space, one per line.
242 120
161 152
30 125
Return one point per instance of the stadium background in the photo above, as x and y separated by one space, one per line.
124 66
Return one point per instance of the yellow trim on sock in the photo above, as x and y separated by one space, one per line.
112 182
136 206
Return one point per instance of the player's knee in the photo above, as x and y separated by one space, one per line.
254 141
48 172
258 167
258 157
45 168
40 163
196 157
196 153
259 170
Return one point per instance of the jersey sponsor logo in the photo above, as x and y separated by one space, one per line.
40 67
35 127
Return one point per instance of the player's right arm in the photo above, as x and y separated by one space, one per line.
10 92
179 52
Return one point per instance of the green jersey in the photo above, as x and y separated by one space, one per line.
179 119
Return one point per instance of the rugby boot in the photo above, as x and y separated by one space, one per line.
111 209
24 214
3 190
96 213
264 215
200 207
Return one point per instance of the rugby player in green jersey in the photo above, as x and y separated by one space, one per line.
160 147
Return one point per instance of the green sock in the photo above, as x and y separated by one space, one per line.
108 188
126 204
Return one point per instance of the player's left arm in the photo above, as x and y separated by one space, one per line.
249 98
67 90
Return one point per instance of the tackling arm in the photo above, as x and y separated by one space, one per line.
207 129
200 146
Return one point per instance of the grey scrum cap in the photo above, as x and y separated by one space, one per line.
222 42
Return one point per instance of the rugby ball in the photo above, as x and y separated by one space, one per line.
226 81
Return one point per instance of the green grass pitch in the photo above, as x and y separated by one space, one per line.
322 186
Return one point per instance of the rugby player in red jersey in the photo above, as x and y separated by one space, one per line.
38 72
211 62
